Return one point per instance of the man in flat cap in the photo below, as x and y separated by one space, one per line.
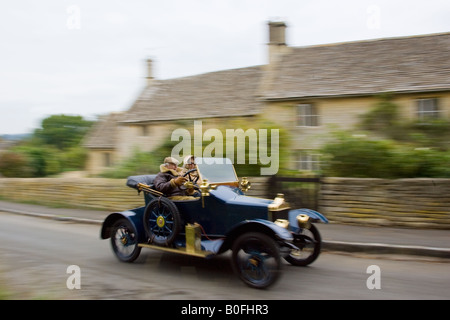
170 179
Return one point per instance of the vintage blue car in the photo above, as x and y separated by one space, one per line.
259 232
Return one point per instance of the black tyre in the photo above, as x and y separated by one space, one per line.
256 260
124 241
162 221
309 243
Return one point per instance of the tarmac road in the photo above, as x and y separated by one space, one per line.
36 253
336 237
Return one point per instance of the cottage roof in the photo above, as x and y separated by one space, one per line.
216 94
103 134
407 64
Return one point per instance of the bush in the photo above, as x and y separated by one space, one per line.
421 163
73 158
358 157
383 117
414 149
13 164
351 156
139 163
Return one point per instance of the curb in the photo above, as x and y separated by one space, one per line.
54 217
380 248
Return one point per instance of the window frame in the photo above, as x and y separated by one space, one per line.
425 111
307 160
307 115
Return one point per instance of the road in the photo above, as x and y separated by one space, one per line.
36 253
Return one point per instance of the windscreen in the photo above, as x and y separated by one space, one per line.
216 170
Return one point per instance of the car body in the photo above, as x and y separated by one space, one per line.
258 231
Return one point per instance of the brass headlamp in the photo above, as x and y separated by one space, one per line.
245 184
278 203
304 221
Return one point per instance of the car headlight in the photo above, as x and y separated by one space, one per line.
282 223
304 221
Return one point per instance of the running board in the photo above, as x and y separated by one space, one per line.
201 254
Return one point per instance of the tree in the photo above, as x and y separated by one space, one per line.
383 117
53 148
63 131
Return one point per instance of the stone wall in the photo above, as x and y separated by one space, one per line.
92 193
421 203
413 203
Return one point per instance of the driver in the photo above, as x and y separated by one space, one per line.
189 164
170 179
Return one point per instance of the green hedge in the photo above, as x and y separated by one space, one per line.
362 157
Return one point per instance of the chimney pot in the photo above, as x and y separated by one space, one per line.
149 71
277 41
277 33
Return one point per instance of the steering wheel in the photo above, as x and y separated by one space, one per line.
193 180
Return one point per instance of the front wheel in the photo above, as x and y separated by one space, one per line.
308 242
256 259
124 241
162 221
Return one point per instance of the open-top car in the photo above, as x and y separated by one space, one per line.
259 232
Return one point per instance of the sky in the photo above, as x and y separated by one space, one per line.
88 58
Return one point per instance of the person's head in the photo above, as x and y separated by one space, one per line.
171 163
189 162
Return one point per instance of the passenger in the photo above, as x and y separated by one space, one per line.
170 179
189 164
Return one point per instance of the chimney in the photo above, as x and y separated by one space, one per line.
277 40
149 77
277 33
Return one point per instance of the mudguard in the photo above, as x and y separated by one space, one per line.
314 216
256 225
134 216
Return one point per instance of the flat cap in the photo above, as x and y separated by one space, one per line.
171 160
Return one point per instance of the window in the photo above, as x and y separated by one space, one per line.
107 159
427 109
307 115
144 130
308 161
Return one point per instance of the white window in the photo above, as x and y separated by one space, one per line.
308 161
307 115
427 109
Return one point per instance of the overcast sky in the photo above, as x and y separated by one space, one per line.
88 57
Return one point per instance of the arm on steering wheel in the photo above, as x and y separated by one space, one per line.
188 173
192 181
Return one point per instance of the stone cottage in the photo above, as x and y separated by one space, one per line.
304 90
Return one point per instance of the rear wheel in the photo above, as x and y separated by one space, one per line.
256 260
124 241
